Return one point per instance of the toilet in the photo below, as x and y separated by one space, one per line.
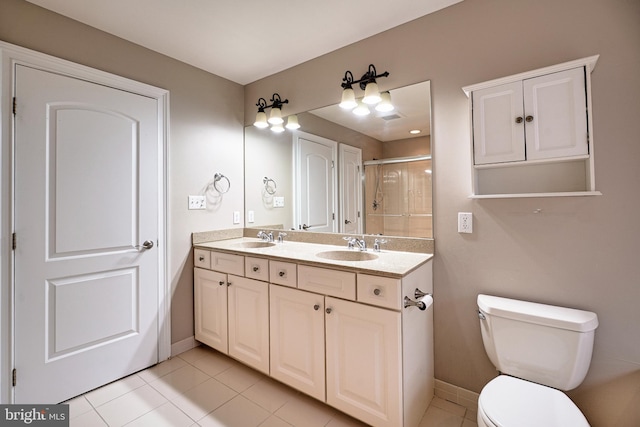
539 350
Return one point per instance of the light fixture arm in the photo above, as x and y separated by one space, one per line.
369 77
276 102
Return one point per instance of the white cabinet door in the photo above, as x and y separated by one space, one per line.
364 362
297 339
249 322
498 125
210 308
555 115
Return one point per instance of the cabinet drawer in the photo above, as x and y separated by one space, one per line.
201 258
381 291
227 263
256 268
336 283
283 273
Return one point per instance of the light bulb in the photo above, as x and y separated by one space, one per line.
292 122
371 94
275 118
361 109
385 104
261 120
348 99
277 128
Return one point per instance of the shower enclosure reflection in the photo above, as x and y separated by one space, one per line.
398 197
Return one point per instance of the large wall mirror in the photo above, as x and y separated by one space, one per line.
345 173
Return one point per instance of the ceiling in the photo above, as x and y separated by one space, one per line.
244 40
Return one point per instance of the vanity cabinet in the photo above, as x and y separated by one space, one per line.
531 133
341 336
232 312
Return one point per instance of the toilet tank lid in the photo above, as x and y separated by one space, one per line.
542 314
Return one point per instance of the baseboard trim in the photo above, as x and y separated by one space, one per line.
183 345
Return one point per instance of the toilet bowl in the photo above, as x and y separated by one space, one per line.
539 350
511 402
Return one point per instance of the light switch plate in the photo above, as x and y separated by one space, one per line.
251 216
236 217
197 202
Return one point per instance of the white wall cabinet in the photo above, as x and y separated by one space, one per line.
532 133
342 337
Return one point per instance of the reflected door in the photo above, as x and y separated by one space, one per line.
350 189
316 184
86 221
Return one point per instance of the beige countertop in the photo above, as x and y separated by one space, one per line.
387 263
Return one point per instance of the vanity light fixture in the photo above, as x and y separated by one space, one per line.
275 116
372 95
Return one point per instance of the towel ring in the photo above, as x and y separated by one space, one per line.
268 188
221 188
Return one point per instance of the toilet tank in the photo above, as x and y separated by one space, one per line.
542 343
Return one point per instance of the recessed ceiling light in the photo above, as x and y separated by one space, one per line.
414 131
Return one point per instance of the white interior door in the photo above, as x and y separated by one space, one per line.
316 184
86 198
350 189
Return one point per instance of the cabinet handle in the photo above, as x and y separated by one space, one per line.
518 119
281 273
256 268
228 283
377 291
329 310
201 258
221 282
316 307
529 119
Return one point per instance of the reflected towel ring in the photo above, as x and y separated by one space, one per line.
221 187
271 189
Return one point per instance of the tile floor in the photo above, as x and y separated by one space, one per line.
202 387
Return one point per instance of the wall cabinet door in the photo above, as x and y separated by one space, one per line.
538 118
364 362
297 339
498 134
556 115
210 308
248 305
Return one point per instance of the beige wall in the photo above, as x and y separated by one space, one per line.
206 123
580 252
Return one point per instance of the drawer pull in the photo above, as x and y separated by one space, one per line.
377 291
228 283
329 310
221 282
316 307
201 258
282 273
256 268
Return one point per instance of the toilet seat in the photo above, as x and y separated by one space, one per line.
511 402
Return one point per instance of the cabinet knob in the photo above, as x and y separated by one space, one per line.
316 307
228 283
221 282
377 291
201 258
256 268
529 119
329 310
281 273
518 119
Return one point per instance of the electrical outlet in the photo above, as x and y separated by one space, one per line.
236 217
197 202
251 216
465 222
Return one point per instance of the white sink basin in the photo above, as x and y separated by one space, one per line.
255 245
345 255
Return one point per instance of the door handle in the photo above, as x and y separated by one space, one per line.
148 244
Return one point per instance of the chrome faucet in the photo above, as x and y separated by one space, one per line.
360 244
377 243
281 237
267 237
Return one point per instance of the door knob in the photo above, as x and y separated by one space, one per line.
148 244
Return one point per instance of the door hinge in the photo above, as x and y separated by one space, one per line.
333 216
14 376
13 241
358 214
333 164
15 105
